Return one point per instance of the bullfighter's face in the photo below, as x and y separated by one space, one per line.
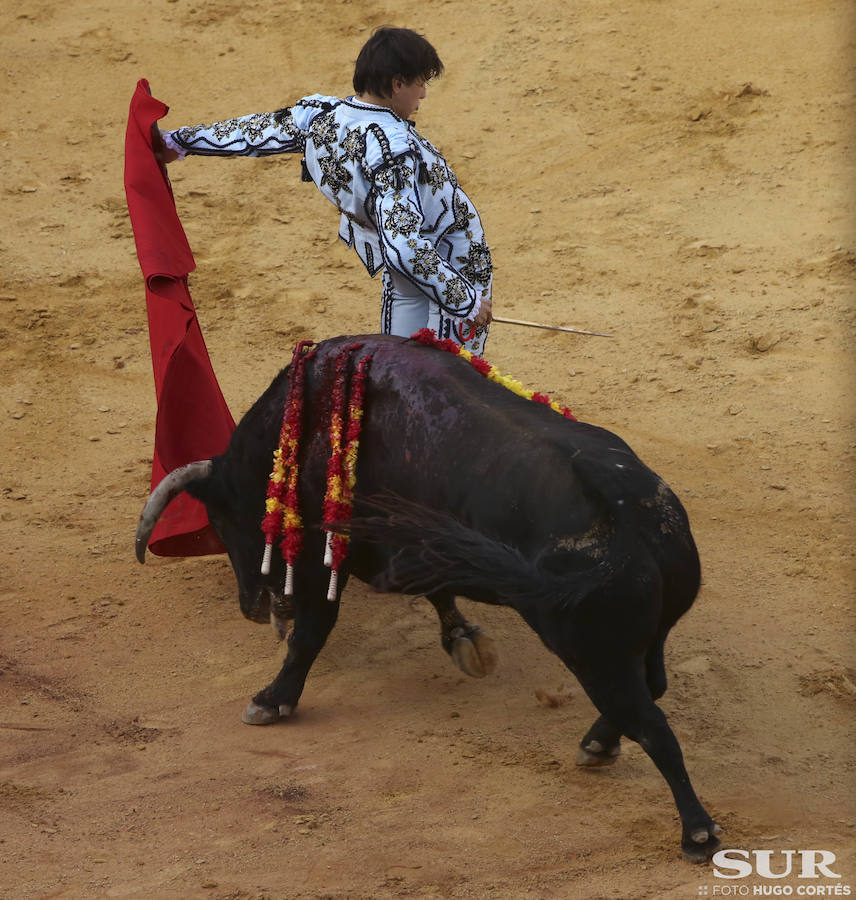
406 96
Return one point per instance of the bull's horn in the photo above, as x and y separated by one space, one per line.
171 486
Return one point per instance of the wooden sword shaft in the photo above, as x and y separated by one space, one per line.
550 327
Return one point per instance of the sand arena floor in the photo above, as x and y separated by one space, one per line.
675 174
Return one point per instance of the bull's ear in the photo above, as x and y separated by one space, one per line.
207 486
209 491
202 489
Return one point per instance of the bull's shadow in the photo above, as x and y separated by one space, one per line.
465 488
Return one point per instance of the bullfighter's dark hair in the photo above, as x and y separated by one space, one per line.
394 53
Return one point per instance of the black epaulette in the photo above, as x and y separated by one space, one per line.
323 105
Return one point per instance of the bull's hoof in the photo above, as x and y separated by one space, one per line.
259 715
256 714
473 652
702 844
593 755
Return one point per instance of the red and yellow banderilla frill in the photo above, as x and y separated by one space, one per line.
426 336
282 512
342 465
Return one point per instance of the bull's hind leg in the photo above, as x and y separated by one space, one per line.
620 691
602 744
314 619
472 651
655 669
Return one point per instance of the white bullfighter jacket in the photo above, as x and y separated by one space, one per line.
401 205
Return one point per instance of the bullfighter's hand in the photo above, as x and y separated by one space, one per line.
485 313
163 154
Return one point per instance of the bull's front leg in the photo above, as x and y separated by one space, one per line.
314 619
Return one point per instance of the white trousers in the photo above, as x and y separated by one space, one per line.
405 309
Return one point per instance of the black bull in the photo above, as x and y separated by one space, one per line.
464 488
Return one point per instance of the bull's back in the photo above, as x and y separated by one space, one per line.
439 433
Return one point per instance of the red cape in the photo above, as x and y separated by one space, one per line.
193 420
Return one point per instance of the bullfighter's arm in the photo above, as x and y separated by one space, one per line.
399 218
259 134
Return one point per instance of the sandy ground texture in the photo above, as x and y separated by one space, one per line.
673 173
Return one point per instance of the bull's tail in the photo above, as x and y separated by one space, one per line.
429 551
